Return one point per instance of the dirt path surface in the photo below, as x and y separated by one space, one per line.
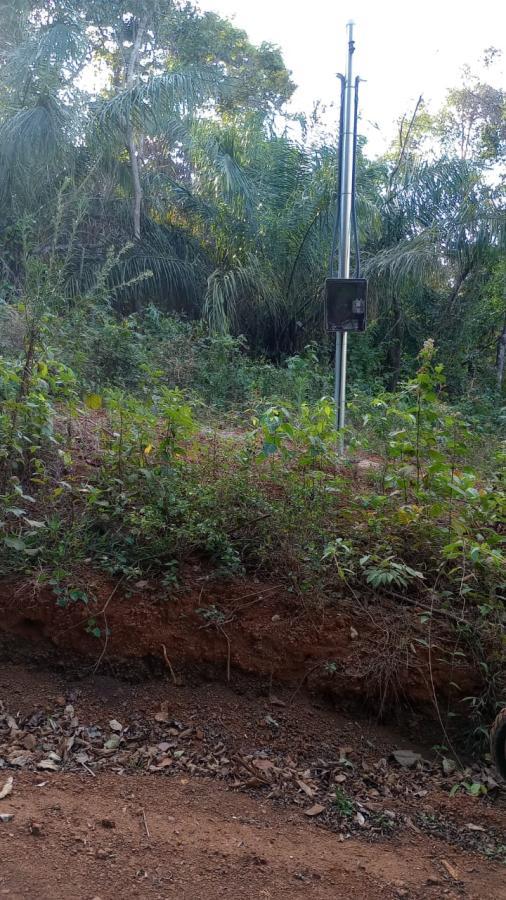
205 842
109 830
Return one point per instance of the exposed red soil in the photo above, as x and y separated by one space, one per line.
205 843
163 835
368 653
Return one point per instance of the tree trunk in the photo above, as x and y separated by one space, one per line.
395 347
130 137
501 357
136 182
462 278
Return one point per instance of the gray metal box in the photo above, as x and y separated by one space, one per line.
346 304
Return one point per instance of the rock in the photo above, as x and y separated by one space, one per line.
36 828
406 758
108 823
449 765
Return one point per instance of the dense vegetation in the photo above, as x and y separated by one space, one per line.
155 136
164 373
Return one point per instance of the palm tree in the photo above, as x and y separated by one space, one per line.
440 225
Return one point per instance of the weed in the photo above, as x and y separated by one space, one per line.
344 805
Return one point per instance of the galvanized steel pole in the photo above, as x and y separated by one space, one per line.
345 209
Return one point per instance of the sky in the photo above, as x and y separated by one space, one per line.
403 50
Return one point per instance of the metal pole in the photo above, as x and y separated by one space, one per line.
345 209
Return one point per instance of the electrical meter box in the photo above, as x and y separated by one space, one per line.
346 304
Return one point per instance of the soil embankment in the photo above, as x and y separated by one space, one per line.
378 655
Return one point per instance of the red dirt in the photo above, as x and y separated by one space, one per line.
373 653
205 843
190 837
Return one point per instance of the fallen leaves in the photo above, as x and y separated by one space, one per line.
305 787
452 871
7 788
265 765
29 742
48 765
350 788
315 810
163 714
271 722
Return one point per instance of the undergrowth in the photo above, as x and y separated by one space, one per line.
126 479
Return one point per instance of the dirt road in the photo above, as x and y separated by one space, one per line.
199 841
109 831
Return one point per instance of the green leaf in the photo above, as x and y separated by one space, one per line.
476 788
93 401
15 543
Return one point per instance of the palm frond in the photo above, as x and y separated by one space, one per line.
52 55
229 290
149 100
35 148
416 258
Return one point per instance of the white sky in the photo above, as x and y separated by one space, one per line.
403 49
